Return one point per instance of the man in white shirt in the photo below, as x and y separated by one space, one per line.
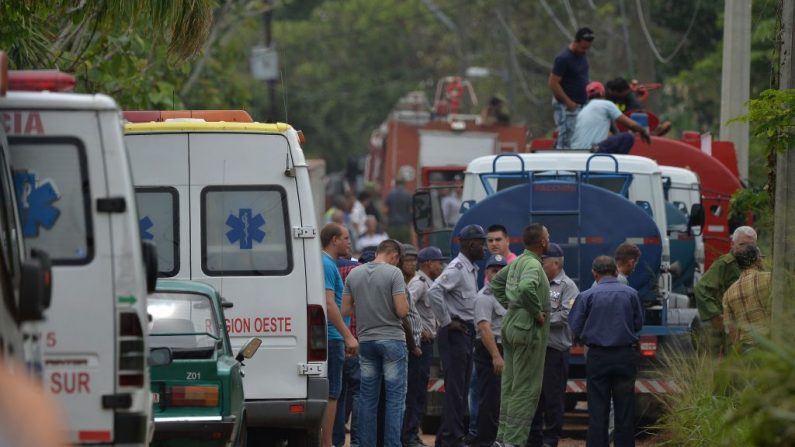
593 125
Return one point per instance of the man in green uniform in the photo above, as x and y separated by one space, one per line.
710 288
523 289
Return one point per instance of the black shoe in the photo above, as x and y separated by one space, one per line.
469 439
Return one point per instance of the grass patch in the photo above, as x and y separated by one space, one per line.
744 400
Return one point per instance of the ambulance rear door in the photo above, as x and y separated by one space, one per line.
245 211
59 176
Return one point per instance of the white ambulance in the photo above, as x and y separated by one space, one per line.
76 203
228 202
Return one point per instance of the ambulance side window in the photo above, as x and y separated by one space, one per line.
245 231
158 221
53 197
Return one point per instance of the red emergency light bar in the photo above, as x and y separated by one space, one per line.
148 116
40 80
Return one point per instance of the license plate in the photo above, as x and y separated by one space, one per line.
156 398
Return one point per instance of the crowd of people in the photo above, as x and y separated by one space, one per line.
511 338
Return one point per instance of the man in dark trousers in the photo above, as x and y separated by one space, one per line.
453 301
567 82
547 426
488 356
607 318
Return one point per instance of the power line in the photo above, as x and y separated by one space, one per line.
522 49
552 15
570 13
653 47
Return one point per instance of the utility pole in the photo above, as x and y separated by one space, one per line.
784 220
268 19
736 77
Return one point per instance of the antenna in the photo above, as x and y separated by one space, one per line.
284 94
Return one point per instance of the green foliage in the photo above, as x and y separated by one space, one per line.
772 117
745 399
747 200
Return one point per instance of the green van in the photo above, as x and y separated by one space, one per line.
198 398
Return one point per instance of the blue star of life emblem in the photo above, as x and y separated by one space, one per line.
145 225
34 200
245 229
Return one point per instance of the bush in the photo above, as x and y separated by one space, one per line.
746 399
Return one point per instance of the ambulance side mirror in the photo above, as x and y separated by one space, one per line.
150 264
249 349
35 286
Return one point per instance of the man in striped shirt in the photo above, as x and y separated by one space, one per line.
408 265
746 303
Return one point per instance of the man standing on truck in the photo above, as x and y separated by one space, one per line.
336 243
377 293
607 318
547 426
713 284
567 81
593 125
523 288
488 356
453 299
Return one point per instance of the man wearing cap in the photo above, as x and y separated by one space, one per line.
607 317
567 81
453 298
547 426
430 267
413 326
523 289
488 355
593 125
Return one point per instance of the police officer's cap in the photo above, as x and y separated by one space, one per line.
368 255
496 261
553 251
430 253
472 231
409 250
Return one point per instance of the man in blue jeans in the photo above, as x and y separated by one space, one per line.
336 243
567 82
376 293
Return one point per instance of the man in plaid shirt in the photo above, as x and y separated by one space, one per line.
746 303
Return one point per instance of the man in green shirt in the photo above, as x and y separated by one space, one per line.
710 288
523 289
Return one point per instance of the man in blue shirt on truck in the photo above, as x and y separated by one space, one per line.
567 81
607 318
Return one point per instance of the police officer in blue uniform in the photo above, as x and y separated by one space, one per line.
453 301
